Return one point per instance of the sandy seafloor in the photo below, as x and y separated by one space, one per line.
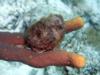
17 15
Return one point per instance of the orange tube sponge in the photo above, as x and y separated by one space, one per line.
12 38
74 24
77 60
56 58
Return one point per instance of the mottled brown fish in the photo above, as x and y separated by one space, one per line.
47 33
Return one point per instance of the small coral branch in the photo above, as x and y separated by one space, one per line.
57 58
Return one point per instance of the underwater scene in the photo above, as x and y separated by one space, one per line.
49 37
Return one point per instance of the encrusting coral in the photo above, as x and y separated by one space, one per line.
42 40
